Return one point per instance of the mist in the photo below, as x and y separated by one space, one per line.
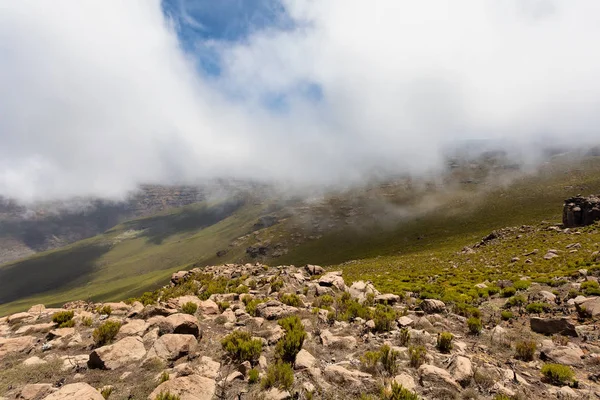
99 97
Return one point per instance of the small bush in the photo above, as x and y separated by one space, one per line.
538 308
189 308
106 391
291 343
404 337
280 375
253 376
508 291
276 284
163 377
324 301
223 305
370 359
521 284
558 374
148 298
241 347
290 299
86 321
560 340
590 288
475 326
444 342
64 319
398 392
506 315
104 310
515 301
167 396
241 289
389 359
384 317
251 306
501 396
525 350
417 355
106 332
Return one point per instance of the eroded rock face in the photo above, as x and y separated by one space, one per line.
75 391
192 387
553 326
581 211
123 352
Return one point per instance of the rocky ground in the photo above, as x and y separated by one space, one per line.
357 342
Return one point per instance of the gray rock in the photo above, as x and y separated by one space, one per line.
432 306
552 326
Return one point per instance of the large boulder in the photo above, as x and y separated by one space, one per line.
209 307
342 376
552 326
314 269
183 324
134 327
274 309
34 391
75 391
432 376
339 342
333 279
589 306
432 306
16 345
123 352
462 370
171 347
191 387
180 277
567 355
304 360
581 211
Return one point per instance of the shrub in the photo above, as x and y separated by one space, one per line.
560 340
398 392
241 289
240 346
251 306
291 343
506 315
590 288
276 284
538 308
525 350
148 298
167 396
324 301
189 308
64 319
86 321
290 299
492 290
253 376
349 309
384 317
558 374
104 310
389 359
501 396
106 391
223 305
474 325
404 337
279 375
417 355
106 332
509 291
370 359
163 377
444 342
521 284
515 301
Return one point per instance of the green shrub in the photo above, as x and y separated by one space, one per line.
106 332
515 301
280 375
521 284
104 310
389 359
492 290
189 308
167 396
417 355
370 359
253 376
290 345
241 347
525 350
404 336
148 298
290 299
506 315
508 291
444 342
398 392
163 377
241 289
590 288
223 305
501 396
324 301
384 317
475 326
276 284
64 319
558 374
538 308
106 391
251 306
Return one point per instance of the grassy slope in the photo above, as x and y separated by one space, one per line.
113 267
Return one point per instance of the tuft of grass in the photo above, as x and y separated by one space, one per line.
417 355
167 396
163 377
525 350
253 376
14 374
538 308
290 345
223 305
398 392
506 315
384 316
104 310
475 326
290 299
558 374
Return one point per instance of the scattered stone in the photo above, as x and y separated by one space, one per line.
339 342
123 352
406 381
19 344
432 376
304 360
191 387
75 391
276 394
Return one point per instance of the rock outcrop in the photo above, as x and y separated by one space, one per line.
581 211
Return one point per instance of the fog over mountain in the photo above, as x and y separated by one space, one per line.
98 97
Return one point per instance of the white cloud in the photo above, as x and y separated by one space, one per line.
96 96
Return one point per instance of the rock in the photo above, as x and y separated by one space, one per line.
304 360
171 347
566 393
37 309
37 328
333 279
550 256
19 317
432 306
405 322
191 387
134 327
274 309
342 376
75 391
262 362
35 391
208 307
119 308
34 361
387 298
547 296
180 301
552 326
339 342
370 324
16 345
183 324
581 211
135 310
590 306
432 376
179 277
407 381
564 355
276 394
314 269
74 362
60 333
123 352
462 370
235 375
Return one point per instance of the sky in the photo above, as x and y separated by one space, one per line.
99 96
